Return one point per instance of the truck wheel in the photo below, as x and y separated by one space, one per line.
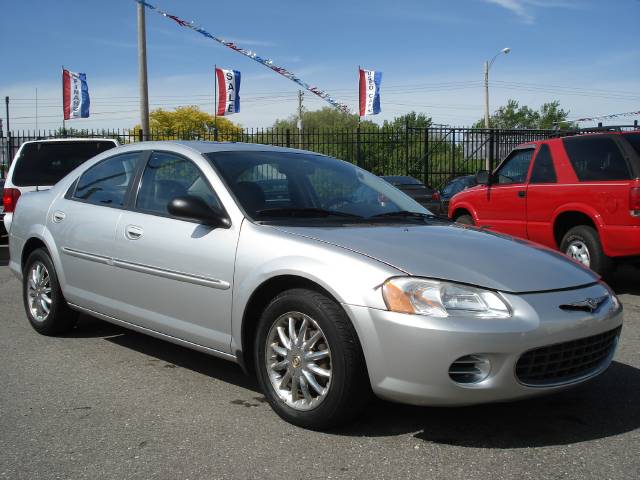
309 361
582 244
465 219
46 308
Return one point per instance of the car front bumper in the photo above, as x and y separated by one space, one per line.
408 356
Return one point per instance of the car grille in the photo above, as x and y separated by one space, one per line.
568 361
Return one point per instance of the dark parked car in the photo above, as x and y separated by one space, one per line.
456 185
425 195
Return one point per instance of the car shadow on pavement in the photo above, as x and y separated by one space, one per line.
604 407
626 279
168 352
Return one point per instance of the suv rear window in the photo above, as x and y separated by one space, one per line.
46 163
596 158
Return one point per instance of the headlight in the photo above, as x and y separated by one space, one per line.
435 298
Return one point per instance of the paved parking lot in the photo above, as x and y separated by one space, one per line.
104 402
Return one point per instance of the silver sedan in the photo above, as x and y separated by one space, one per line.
323 280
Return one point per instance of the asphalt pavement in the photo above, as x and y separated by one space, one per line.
107 403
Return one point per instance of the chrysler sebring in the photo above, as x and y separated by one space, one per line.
323 280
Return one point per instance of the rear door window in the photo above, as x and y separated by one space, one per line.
596 158
46 163
543 169
107 182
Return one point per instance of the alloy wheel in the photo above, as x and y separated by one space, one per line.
39 291
578 251
298 361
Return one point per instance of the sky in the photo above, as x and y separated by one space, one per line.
583 53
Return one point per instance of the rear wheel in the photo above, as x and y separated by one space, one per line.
309 362
465 219
582 244
44 304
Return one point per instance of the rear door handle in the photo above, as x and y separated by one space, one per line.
522 193
58 216
133 232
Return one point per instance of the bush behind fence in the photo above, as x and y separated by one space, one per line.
434 155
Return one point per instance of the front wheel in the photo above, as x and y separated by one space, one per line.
46 308
582 244
309 361
465 219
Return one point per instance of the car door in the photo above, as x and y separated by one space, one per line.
543 196
175 276
83 222
502 206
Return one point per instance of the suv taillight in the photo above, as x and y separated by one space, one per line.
435 196
9 199
634 201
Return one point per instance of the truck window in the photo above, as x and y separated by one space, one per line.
596 158
543 169
515 167
46 163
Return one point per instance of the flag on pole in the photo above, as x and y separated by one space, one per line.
75 95
228 91
370 92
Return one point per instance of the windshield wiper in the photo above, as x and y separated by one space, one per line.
303 212
405 214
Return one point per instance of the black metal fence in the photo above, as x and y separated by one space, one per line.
433 155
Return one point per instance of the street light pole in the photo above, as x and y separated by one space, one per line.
487 66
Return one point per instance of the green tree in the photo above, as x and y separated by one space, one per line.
326 118
512 115
188 122
413 119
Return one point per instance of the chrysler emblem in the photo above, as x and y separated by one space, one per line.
587 305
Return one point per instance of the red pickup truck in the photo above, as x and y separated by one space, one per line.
579 194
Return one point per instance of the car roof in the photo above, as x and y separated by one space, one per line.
72 139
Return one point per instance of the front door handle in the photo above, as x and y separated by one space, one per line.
133 232
522 193
58 216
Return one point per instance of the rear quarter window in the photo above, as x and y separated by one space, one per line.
47 163
596 158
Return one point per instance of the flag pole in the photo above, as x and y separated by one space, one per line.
64 127
215 102
359 93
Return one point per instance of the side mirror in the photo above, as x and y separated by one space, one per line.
190 207
483 177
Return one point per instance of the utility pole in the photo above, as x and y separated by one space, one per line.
142 72
300 125
486 95
6 102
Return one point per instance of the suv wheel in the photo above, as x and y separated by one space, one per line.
46 308
309 362
465 219
582 244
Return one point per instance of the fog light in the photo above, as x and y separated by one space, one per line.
470 369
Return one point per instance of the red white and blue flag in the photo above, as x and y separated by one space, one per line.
370 81
228 91
75 95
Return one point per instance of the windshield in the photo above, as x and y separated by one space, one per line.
43 163
277 185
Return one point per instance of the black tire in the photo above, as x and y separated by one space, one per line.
465 219
60 318
589 237
349 390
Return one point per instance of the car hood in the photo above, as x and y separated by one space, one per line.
458 253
